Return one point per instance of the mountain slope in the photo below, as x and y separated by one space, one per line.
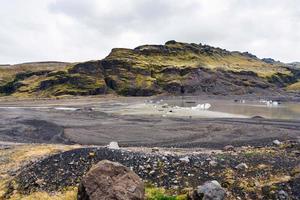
182 55
176 68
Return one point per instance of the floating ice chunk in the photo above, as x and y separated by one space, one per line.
272 103
262 101
205 106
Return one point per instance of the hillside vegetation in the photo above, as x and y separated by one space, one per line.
182 55
294 87
176 68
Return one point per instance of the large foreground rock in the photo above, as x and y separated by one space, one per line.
109 180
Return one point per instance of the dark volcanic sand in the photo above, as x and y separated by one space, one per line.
47 125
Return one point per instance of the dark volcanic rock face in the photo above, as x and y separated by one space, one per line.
219 82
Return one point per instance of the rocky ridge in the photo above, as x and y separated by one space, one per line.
173 68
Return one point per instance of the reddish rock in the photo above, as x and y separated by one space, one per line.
109 180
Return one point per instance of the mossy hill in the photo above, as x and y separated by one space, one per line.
175 68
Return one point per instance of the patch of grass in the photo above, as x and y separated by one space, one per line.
23 153
8 74
153 193
17 156
250 153
60 84
294 87
69 193
144 81
3 186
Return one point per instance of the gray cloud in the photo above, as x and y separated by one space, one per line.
76 30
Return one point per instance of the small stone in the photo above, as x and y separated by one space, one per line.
185 159
210 190
242 166
282 195
229 148
113 145
155 149
40 181
148 166
213 163
92 154
175 187
152 172
208 159
141 167
277 142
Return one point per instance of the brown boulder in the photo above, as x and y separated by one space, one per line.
109 180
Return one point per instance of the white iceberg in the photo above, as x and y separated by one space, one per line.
204 106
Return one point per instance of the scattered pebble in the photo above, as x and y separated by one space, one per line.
185 159
282 195
155 149
242 166
213 163
229 148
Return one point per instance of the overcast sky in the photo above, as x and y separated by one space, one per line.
79 30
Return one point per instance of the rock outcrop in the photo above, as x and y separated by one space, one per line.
109 180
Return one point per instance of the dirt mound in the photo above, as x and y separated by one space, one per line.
265 165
